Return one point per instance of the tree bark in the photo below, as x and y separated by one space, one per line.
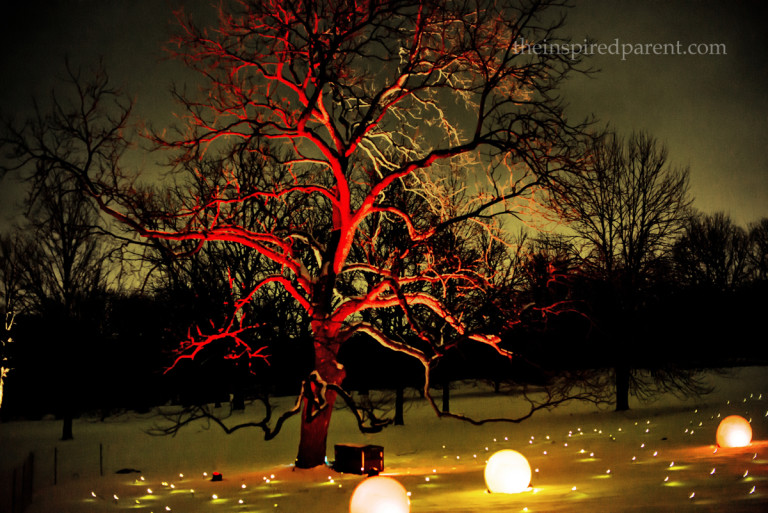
239 383
318 401
66 432
622 387
399 406
314 432
238 400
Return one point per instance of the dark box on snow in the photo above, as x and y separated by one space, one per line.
359 459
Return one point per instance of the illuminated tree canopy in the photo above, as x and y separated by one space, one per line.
368 152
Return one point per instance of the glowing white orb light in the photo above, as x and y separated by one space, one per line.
734 431
379 494
507 471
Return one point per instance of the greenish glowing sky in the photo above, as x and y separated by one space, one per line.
711 111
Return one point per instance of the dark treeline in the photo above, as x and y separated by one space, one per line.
701 307
684 315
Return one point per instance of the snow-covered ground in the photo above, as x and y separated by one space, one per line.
656 457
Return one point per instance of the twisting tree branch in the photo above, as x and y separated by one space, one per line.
337 142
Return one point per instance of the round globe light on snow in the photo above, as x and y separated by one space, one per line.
507 471
379 494
734 431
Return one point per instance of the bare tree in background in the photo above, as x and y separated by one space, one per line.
627 209
64 280
311 113
712 252
758 254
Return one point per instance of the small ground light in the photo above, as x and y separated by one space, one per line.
734 431
507 471
379 494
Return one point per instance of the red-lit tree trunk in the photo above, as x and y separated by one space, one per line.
314 434
318 399
317 404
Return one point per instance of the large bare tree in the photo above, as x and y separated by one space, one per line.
314 115
64 278
627 209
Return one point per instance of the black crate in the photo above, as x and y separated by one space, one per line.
359 459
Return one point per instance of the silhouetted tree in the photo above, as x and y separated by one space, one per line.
13 253
717 265
712 252
758 253
626 208
64 280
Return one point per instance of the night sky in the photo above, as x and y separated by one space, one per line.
710 110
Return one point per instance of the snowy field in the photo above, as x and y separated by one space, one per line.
657 457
